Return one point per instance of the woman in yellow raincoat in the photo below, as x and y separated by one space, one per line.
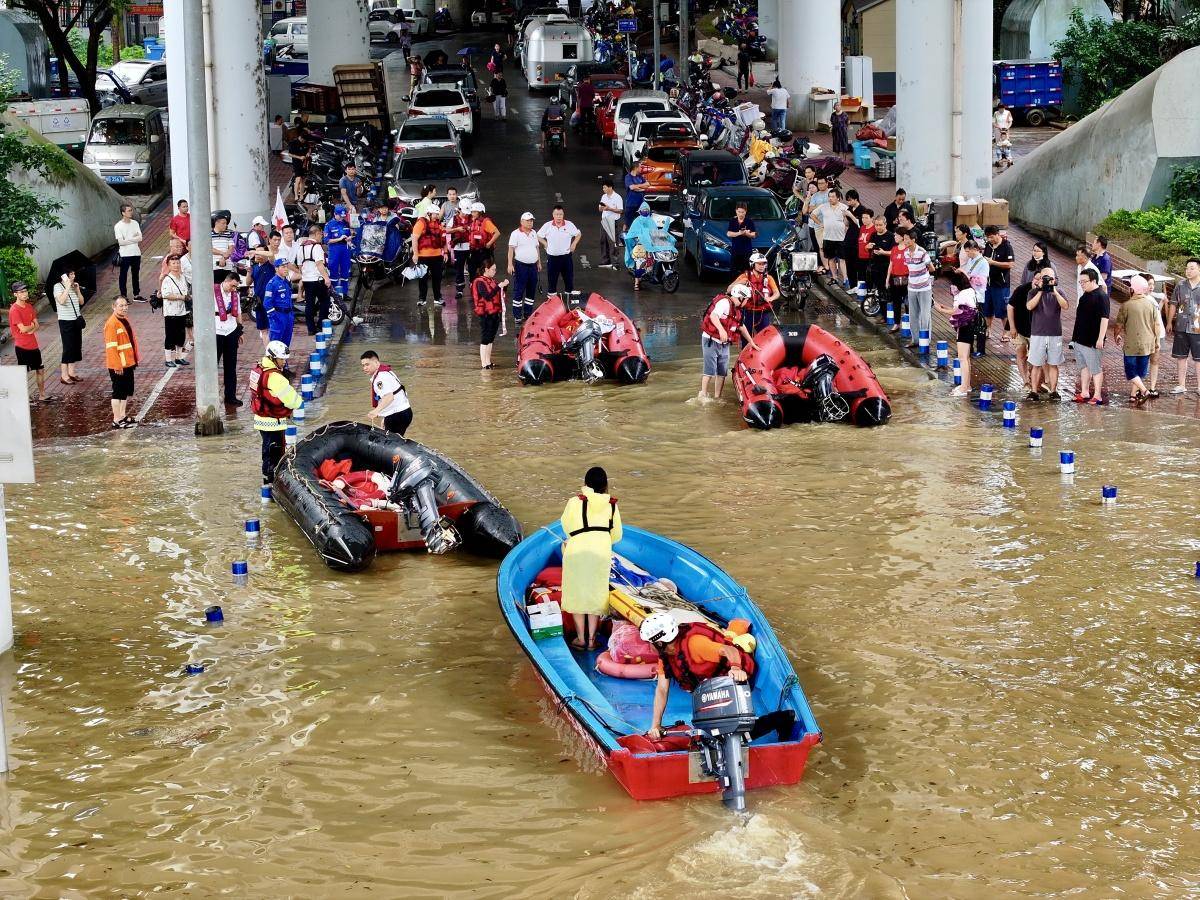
592 524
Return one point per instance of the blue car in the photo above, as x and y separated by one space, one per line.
706 221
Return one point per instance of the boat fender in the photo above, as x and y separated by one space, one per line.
606 665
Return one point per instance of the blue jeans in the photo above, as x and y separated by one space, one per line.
525 280
778 119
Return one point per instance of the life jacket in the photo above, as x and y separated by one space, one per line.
432 240
731 322
461 237
689 671
758 289
612 515
485 295
375 396
478 233
262 401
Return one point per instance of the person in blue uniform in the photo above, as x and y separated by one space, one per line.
337 246
277 301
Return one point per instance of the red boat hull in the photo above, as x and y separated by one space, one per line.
757 377
540 356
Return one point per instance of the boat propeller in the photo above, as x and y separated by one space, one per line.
413 487
584 343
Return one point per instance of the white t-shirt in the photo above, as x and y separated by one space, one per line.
386 382
310 255
722 308
614 207
129 231
779 97
229 326
558 238
833 221
966 297
173 292
290 252
525 246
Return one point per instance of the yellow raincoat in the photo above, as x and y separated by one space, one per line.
587 556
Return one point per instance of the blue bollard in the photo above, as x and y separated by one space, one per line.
194 669
1035 438
1066 462
923 342
957 370
905 330
943 354
891 315
214 615
1010 414
314 366
860 291
253 531
241 572
1108 495
290 435
985 397
298 414
264 495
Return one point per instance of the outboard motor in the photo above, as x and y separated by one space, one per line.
722 717
413 488
830 405
583 343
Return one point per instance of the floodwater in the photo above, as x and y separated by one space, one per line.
1003 669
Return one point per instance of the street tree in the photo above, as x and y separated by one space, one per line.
58 19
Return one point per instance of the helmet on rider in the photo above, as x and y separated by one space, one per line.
277 350
659 628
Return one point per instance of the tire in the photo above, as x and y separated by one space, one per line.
391 38
1035 118
671 282
870 305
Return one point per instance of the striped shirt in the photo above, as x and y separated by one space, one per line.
917 260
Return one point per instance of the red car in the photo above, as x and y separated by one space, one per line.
608 88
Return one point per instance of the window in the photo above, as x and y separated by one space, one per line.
426 131
720 208
633 107
279 30
300 29
437 98
570 51
432 168
118 132
662 154
714 173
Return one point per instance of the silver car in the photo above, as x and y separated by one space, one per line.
444 169
425 133
145 79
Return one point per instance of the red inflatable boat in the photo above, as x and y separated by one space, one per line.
569 337
802 373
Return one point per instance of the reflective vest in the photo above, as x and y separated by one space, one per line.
120 344
688 671
731 322
485 294
262 401
432 240
480 232
612 515
760 287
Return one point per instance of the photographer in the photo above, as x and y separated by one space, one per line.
1045 304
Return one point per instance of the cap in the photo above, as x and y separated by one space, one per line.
258 220
280 262
19 286
339 210
526 215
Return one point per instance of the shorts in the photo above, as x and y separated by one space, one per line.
489 324
298 170
833 249
1088 358
966 335
995 304
122 385
30 359
1137 366
1185 344
716 357
1045 350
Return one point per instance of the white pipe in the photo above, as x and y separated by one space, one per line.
956 109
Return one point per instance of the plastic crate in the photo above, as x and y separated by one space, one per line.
862 155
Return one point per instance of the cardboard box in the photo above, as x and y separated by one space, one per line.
994 212
966 213
545 620
891 144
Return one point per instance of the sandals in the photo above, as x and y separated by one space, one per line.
65 380
1137 397
1153 394
1033 396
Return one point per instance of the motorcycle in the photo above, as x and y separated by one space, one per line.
555 136
382 251
792 259
442 21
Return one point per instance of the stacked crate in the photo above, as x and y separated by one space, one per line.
361 91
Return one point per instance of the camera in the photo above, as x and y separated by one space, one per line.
1048 282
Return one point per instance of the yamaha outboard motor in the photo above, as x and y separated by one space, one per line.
830 406
722 716
413 487
583 344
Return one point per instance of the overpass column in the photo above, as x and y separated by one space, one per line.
238 111
933 158
810 55
337 36
768 24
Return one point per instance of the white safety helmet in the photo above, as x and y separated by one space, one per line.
434 210
741 291
659 628
760 125
277 350
478 207
757 258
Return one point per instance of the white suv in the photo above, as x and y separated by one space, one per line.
441 100
644 126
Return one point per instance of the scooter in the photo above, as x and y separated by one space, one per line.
792 260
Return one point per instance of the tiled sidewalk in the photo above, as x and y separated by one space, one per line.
84 408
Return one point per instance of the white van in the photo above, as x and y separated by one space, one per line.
291 33
552 45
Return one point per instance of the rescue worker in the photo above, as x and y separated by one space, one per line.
272 399
121 357
721 324
277 301
689 654
261 272
592 524
429 250
389 399
482 235
487 297
337 242
763 294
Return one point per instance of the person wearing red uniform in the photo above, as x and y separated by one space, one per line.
722 322
488 300
763 294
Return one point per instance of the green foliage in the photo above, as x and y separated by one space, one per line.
134 52
1184 193
1180 36
1107 59
25 211
17 265
77 38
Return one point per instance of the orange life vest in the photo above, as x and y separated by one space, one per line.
730 322
760 286
688 671
485 295
479 233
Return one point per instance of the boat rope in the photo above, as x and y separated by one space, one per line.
567 699
788 683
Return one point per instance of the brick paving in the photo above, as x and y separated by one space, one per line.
998 366
84 408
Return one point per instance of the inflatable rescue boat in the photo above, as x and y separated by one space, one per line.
355 490
568 336
610 704
802 373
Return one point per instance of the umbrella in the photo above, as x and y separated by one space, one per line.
467 51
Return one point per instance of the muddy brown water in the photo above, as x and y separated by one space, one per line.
1004 670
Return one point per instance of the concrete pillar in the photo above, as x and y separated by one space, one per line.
925 96
238 111
768 24
171 31
337 36
810 55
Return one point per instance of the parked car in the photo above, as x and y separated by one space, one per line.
128 145
110 89
386 24
444 168
451 102
627 106
292 33
463 79
501 17
145 79
697 169
706 221
646 125
660 158
576 74
425 133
